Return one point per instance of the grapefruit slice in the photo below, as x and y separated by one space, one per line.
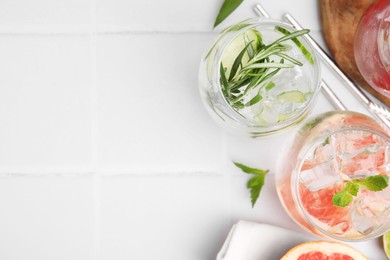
323 250
320 206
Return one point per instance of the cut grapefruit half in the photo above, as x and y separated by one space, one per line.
323 250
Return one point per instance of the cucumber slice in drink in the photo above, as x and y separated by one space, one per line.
283 117
237 45
295 96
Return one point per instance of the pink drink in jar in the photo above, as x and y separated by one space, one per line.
329 152
372 46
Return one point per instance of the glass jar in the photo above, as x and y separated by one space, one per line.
285 98
322 179
372 46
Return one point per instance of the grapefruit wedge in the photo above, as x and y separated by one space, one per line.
323 250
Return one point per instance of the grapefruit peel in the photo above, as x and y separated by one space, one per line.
328 250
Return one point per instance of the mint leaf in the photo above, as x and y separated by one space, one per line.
351 188
374 183
342 199
256 183
227 8
249 170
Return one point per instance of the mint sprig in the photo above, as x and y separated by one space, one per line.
344 197
256 183
372 183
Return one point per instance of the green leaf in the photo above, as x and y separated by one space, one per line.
250 50
261 66
289 58
267 65
224 81
237 62
253 83
238 104
260 43
374 183
240 83
227 8
268 51
271 74
342 199
270 85
256 183
351 188
250 170
291 36
303 49
254 100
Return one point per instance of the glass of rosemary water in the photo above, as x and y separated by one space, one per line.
259 77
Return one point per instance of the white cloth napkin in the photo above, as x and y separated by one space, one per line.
254 241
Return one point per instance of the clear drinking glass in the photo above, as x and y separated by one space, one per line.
335 155
286 97
372 46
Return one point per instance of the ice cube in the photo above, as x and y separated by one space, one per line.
268 114
364 225
363 219
324 153
320 175
384 160
292 79
340 229
358 153
360 165
284 107
353 142
370 212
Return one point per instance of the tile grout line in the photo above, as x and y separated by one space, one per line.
86 32
110 173
93 90
135 173
94 130
101 32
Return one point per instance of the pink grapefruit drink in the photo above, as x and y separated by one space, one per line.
372 46
330 159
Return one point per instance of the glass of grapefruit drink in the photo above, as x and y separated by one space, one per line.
333 180
372 46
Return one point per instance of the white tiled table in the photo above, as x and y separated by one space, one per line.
106 151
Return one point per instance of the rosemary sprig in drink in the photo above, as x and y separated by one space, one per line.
254 66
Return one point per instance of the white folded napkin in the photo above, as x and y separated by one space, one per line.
254 241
